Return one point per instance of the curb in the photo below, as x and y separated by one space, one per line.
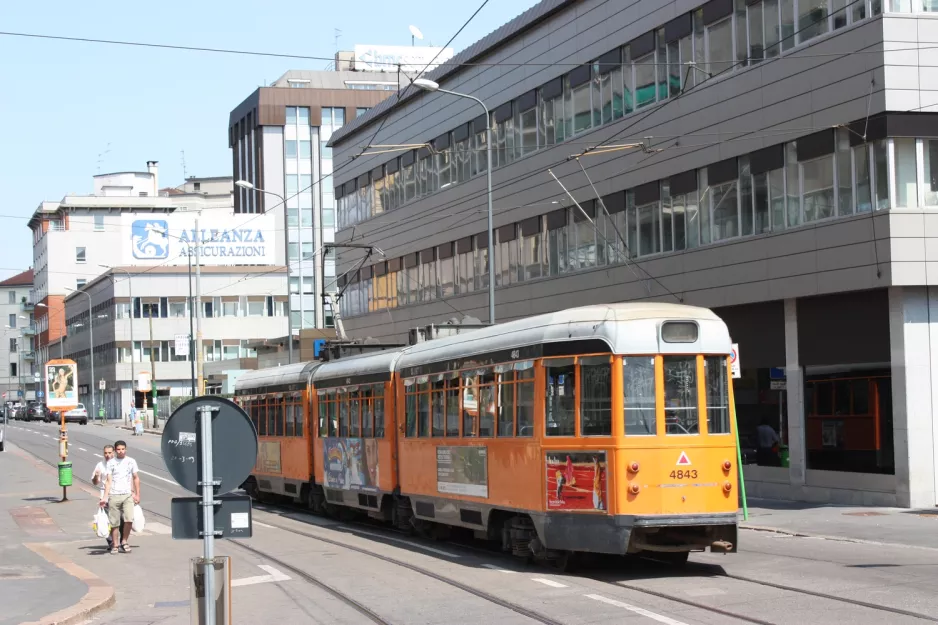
840 539
146 430
99 597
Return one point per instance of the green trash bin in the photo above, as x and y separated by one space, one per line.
65 474
783 455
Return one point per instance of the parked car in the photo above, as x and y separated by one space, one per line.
77 415
35 411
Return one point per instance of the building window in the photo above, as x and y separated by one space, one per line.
361 111
12 297
12 323
79 255
99 223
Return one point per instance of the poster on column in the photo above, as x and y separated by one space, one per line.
61 384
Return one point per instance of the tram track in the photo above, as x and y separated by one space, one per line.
701 569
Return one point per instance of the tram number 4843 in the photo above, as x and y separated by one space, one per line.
680 474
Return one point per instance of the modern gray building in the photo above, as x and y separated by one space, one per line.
774 160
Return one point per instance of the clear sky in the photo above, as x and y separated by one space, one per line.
71 110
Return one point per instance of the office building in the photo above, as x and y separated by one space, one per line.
17 338
774 160
278 137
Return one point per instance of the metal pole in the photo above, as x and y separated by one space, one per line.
91 355
299 256
491 255
191 333
208 513
198 311
152 372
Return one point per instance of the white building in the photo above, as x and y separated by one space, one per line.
137 323
130 222
17 338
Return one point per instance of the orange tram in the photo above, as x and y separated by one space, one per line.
606 429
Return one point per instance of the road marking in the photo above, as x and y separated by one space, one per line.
440 552
46 435
548 582
273 575
157 477
258 523
495 567
82 448
642 611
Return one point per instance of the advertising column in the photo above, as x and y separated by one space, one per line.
61 377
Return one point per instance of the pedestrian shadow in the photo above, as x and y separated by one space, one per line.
96 550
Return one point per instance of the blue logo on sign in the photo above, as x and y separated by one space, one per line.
150 239
39 394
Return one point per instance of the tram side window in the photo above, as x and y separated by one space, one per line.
288 423
506 404
410 407
260 412
681 412
525 398
423 408
439 407
354 415
488 392
452 407
368 407
343 413
595 396
718 397
560 397
638 386
470 404
322 408
379 412
274 424
298 417
332 416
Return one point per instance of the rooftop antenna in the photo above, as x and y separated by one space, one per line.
101 156
415 34
184 172
338 34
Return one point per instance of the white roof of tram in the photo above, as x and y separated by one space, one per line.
627 328
297 373
382 362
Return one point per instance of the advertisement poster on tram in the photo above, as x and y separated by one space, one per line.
268 457
576 480
351 463
462 471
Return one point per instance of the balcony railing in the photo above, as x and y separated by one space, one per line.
30 330
28 355
27 306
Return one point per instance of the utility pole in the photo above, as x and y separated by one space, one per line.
153 372
198 304
191 332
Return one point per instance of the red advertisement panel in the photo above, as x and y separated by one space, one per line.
576 480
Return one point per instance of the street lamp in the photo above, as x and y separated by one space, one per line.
431 86
130 294
94 410
244 184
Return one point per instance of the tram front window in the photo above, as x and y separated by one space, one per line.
681 413
718 397
638 386
561 397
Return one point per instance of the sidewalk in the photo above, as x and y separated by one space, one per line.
38 585
893 526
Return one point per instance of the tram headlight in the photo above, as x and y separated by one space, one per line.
727 487
727 465
633 467
634 489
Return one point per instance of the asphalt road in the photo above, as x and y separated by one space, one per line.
777 579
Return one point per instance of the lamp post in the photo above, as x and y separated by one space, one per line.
130 294
91 346
431 86
244 184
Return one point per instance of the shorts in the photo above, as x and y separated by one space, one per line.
118 507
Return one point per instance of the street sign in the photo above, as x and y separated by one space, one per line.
61 384
39 394
101 385
778 385
232 518
182 345
734 361
234 448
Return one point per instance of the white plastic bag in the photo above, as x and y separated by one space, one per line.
100 524
139 521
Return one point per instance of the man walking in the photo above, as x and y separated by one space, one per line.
121 493
99 478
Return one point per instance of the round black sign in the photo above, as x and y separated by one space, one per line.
234 444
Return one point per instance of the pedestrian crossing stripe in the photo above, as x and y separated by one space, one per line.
683 460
